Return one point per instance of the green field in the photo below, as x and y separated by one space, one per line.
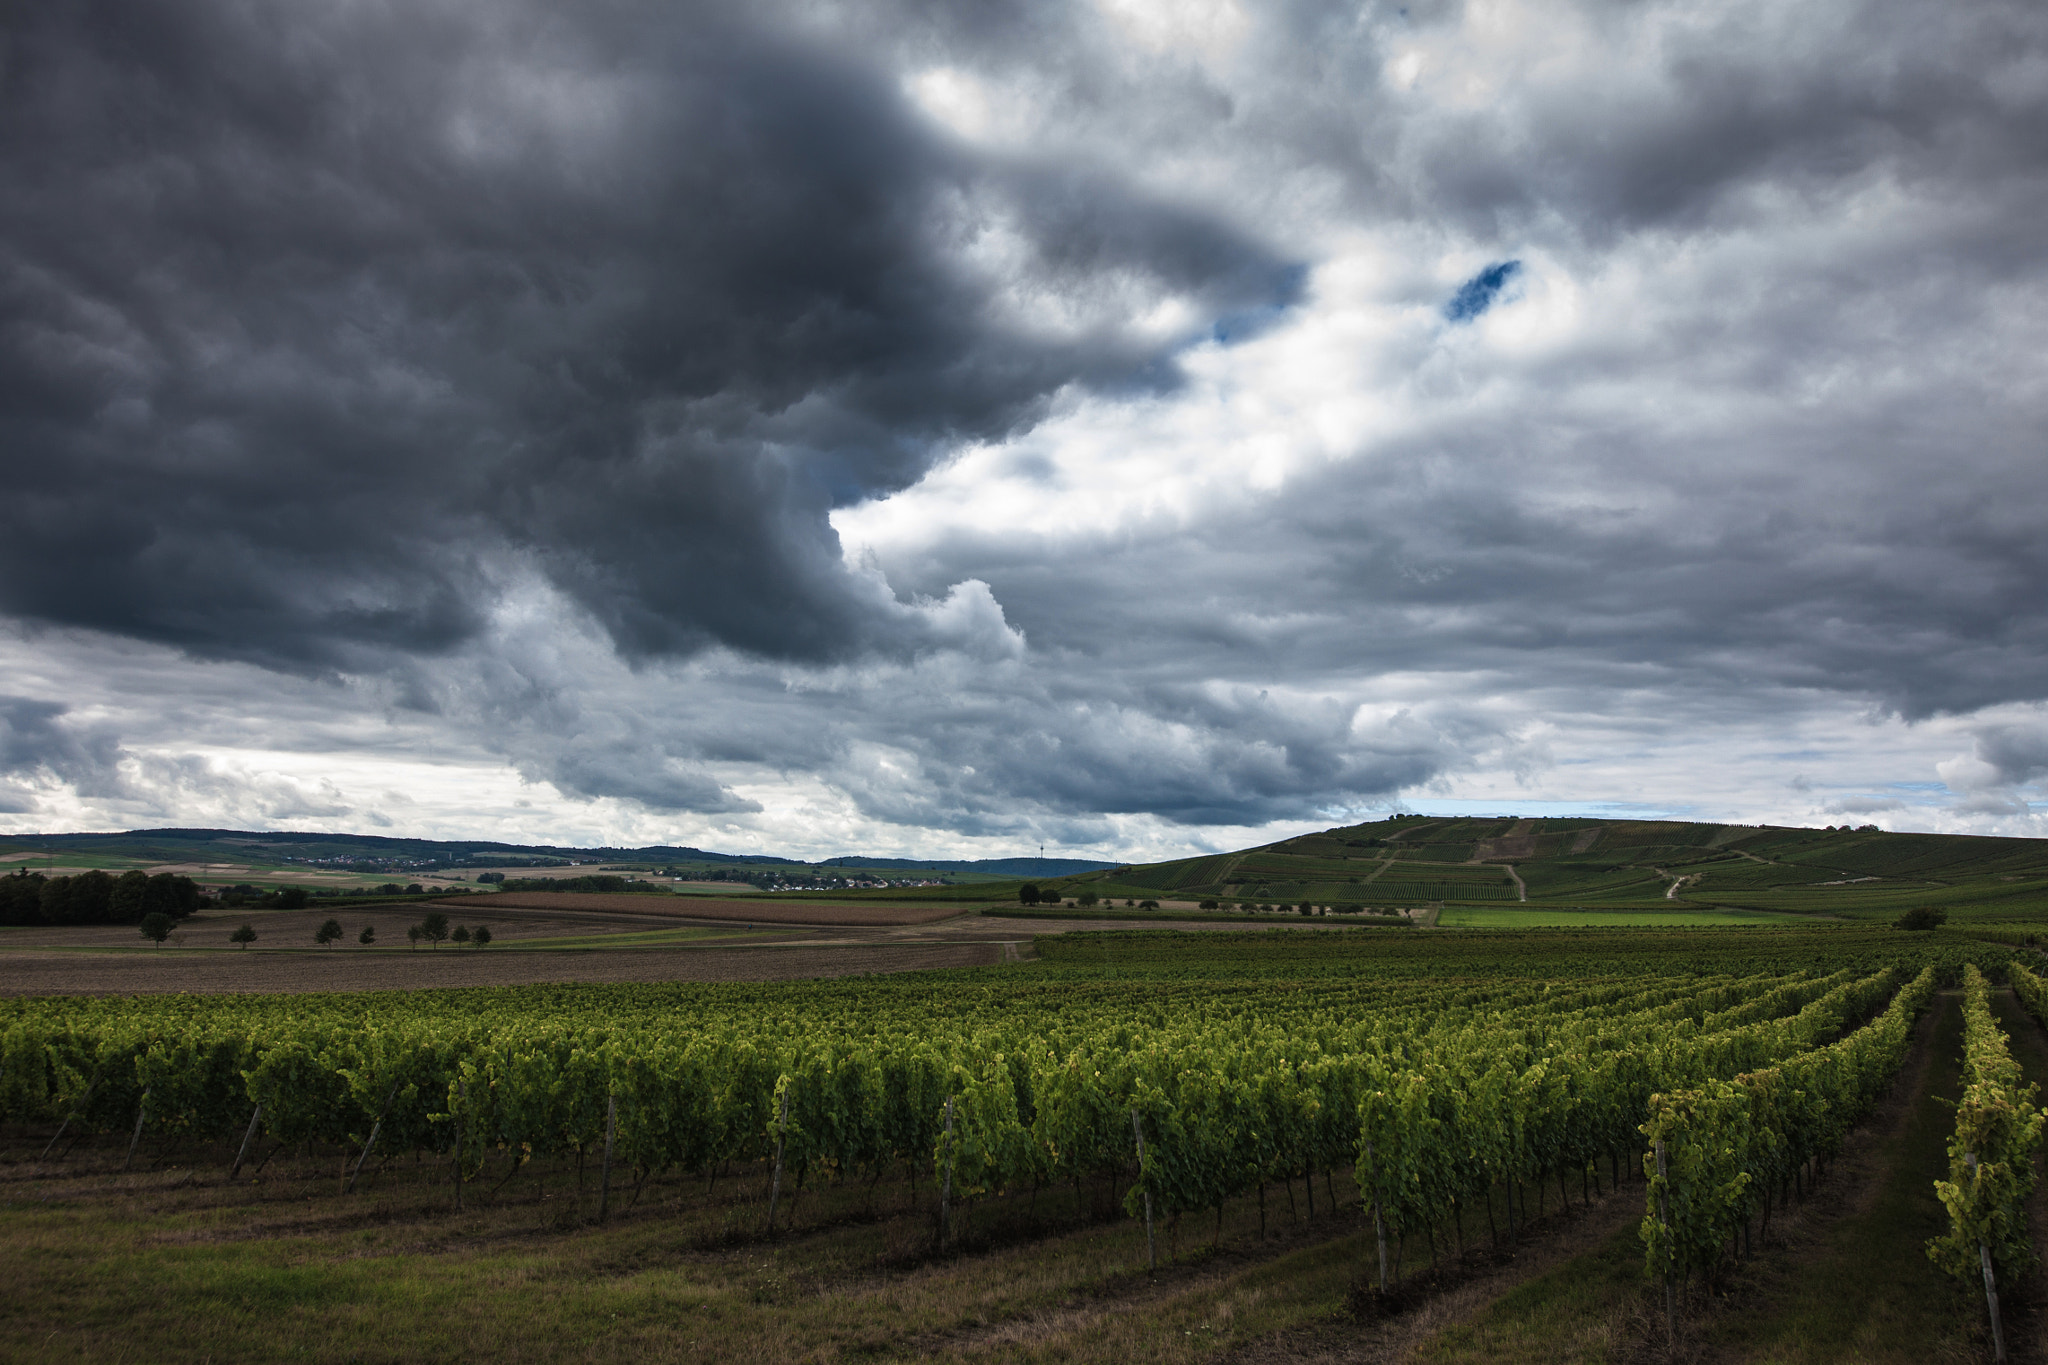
1579 917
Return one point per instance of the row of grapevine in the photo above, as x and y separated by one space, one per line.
1720 1147
1229 1096
1443 1130
1990 1152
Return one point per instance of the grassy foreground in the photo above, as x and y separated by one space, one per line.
175 1262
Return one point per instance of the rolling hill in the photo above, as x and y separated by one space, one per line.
1642 865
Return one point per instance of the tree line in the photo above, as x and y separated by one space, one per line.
95 898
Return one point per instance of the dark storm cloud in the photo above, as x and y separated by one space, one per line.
315 323
325 335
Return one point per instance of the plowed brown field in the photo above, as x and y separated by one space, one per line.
705 907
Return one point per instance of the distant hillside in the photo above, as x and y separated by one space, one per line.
1411 860
1008 867
373 852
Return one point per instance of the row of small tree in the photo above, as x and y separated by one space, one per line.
433 929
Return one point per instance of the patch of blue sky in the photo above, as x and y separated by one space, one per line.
1477 294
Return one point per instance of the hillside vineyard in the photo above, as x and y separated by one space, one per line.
1188 1072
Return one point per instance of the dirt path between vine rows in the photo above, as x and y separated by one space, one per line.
1844 1274
1839 1276
1464 1291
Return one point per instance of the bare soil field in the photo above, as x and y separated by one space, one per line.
341 970
710 908
553 941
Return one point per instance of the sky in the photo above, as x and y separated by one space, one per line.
1131 427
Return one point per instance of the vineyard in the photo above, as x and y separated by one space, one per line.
1620 864
1422 1085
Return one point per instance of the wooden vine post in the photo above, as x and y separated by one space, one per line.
1990 1282
611 1128
1151 1241
379 1123
1379 1228
781 1136
946 1179
141 1110
462 1100
1664 1217
248 1137
76 1106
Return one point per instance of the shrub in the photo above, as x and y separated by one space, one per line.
1208 905
1148 905
1921 917
1087 898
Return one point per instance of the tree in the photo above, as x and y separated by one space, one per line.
1028 893
291 897
1087 899
243 936
328 934
414 889
481 938
415 934
84 899
434 928
1148 905
157 927
1208 905
368 937
125 901
1922 917
461 935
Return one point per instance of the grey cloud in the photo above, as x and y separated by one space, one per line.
638 774
2018 753
36 739
1867 805
319 325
